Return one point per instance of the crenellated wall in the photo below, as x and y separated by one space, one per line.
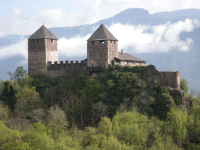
167 78
61 69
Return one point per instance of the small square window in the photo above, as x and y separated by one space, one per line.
51 40
102 41
37 40
114 42
93 42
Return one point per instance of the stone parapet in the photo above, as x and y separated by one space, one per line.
55 69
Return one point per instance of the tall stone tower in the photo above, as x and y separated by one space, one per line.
42 47
102 47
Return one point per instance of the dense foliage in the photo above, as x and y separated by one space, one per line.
118 110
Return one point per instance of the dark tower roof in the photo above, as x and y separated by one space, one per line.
42 33
102 33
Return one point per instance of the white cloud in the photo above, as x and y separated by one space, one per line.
16 24
55 15
162 38
76 46
16 11
15 49
133 39
59 18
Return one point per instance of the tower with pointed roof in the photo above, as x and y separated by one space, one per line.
102 48
42 47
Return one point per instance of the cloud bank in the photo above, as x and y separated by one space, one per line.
161 38
20 48
133 39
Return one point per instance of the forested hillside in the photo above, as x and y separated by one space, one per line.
117 111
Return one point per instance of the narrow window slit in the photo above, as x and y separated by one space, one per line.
101 41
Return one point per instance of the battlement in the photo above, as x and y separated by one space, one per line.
67 64
55 69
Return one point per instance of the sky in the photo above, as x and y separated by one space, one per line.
25 17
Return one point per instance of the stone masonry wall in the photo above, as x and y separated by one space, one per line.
39 52
112 50
36 56
130 63
51 50
75 69
171 79
97 54
153 76
101 54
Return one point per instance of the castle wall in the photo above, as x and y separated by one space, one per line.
171 79
153 76
123 63
131 63
75 69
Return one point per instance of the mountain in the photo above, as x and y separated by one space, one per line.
185 62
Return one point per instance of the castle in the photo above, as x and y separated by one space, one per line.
102 48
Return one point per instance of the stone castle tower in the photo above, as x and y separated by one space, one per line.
42 47
102 48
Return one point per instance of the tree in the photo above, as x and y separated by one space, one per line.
37 115
10 139
38 137
177 119
164 102
4 111
184 85
193 125
20 75
131 84
8 94
98 110
82 81
130 127
81 104
105 126
70 83
1 85
26 98
56 121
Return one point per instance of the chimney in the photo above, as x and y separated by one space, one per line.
122 51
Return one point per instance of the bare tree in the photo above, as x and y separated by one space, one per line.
81 106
